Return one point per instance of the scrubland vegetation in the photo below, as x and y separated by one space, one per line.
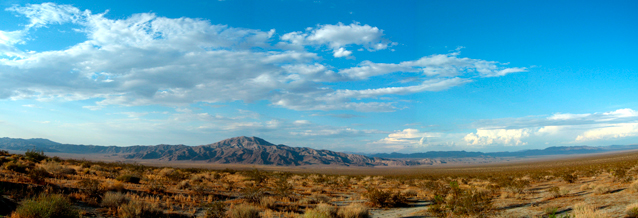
34 185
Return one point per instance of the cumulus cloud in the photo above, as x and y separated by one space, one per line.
145 59
337 37
409 136
506 137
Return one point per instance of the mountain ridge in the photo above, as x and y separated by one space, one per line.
237 150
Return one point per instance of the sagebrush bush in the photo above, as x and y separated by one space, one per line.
242 211
46 206
114 199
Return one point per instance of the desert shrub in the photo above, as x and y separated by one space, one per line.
155 188
380 198
138 209
282 187
253 194
583 210
35 155
57 169
45 206
257 176
129 178
632 210
3 160
513 185
16 167
354 211
602 189
90 187
471 202
321 211
109 185
216 210
556 192
567 176
114 199
620 175
4 153
56 159
172 174
38 175
242 211
268 202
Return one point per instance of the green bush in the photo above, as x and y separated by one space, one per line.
46 206
35 155
129 178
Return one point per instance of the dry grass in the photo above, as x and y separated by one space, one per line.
515 190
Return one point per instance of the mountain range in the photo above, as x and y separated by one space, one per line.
238 150
254 150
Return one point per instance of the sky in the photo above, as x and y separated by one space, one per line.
354 76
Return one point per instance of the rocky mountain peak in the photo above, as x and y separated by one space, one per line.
242 142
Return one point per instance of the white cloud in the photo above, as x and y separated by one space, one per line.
400 139
146 59
337 37
506 137
612 131
440 65
48 13
341 52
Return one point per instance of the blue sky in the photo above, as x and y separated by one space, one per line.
359 76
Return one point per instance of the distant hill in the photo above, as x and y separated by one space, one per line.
559 150
239 150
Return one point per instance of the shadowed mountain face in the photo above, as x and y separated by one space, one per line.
239 150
